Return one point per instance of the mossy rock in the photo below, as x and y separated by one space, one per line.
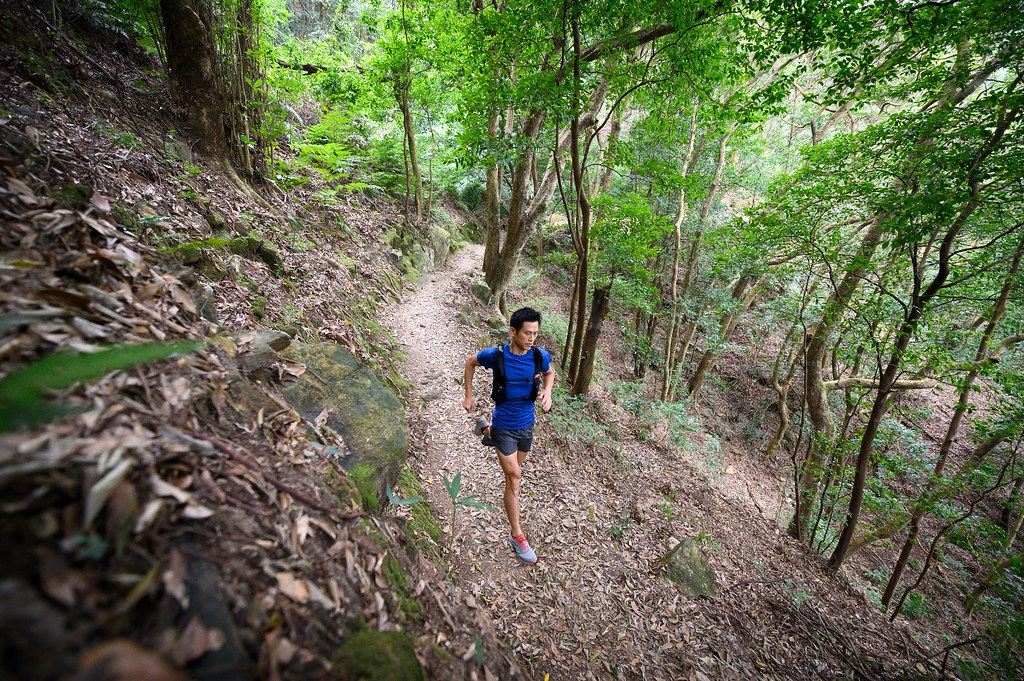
371 655
216 221
75 194
686 567
432 252
254 248
481 291
368 416
124 216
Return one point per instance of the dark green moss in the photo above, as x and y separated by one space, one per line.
371 655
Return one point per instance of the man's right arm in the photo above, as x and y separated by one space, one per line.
469 404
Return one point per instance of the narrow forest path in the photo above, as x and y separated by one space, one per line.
594 606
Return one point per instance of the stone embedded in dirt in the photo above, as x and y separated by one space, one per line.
257 361
481 290
373 655
272 338
686 566
367 415
255 248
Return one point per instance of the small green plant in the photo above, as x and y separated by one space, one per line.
878 576
916 606
454 486
704 539
797 597
213 242
122 138
667 510
625 523
570 421
398 501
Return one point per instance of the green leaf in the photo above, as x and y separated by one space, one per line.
64 369
471 501
19 416
454 485
398 501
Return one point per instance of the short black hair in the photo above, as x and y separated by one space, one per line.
523 314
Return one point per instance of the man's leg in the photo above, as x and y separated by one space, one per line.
511 466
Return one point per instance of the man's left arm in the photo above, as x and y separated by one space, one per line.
545 392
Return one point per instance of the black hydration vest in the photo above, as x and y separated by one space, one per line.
501 379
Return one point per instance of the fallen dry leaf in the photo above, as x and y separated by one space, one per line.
162 488
194 641
174 577
293 588
123 660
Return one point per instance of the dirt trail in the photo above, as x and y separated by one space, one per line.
594 607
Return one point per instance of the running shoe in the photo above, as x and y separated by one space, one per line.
522 549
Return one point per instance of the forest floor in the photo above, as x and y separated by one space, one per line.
600 515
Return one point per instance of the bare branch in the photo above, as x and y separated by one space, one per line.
872 384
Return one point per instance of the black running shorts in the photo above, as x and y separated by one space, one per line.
509 442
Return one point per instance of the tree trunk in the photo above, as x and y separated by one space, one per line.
670 333
402 95
991 578
726 327
913 316
583 212
815 395
598 310
524 210
962 405
1015 502
193 66
492 247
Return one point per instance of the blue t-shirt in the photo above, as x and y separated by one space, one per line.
517 411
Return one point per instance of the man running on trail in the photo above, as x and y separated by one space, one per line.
519 372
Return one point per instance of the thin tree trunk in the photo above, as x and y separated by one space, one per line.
992 577
670 333
962 405
916 311
598 310
492 246
402 95
815 395
583 213
726 327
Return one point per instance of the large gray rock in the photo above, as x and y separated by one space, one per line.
481 291
432 253
686 566
367 415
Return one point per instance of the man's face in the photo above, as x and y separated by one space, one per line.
526 336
